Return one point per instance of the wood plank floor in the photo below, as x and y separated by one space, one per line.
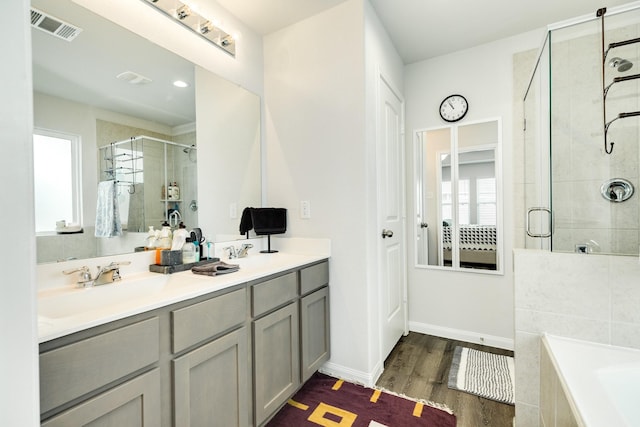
419 366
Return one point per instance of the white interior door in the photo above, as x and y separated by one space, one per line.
392 234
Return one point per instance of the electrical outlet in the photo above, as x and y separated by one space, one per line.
233 210
305 209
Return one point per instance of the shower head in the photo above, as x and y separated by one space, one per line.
621 64
188 150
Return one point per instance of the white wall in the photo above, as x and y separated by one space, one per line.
320 95
315 151
469 306
19 399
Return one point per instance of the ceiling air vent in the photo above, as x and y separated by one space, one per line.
53 26
133 78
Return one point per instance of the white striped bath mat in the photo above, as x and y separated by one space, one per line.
484 374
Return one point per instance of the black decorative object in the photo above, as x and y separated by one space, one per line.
268 221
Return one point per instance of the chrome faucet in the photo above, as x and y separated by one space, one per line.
105 275
244 250
231 251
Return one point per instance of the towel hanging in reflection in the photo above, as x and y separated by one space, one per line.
246 223
107 212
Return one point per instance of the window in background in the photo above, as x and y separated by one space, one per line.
486 196
464 195
464 200
56 165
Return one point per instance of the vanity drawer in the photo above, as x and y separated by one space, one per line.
207 319
74 370
314 277
268 295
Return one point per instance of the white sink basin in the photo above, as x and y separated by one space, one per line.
69 302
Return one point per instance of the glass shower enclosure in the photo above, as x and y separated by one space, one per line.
581 137
156 181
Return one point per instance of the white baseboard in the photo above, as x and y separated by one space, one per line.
368 379
462 335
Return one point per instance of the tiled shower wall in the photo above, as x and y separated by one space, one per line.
579 164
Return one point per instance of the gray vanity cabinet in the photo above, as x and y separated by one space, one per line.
135 403
290 335
276 360
276 345
211 383
314 318
231 358
314 332
103 379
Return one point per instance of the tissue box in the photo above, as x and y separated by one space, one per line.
168 257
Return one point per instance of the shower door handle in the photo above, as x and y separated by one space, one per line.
528 225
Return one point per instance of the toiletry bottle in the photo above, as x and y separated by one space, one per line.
170 191
196 248
188 252
176 191
179 237
163 193
165 237
151 237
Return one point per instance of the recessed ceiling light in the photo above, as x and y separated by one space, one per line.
180 83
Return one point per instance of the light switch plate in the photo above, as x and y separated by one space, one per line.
305 209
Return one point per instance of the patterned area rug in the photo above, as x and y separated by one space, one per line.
484 374
327 401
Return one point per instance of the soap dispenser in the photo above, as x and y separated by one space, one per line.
188 251
179 237
165 237
152 237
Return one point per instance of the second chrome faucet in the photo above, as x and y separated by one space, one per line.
232 252
105 275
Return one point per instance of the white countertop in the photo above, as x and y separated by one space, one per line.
67 309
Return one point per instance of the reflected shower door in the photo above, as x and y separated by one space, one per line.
537 209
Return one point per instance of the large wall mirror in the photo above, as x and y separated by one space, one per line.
458 192
112 94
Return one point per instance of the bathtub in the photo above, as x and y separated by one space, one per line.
601 382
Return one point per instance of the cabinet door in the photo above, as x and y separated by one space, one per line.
211 385
134 403
314 321
276 360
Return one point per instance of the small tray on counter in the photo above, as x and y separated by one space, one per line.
168 269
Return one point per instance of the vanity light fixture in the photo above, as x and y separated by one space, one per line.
180 84
190 17
206 28
183 12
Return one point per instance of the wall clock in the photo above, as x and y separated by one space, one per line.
454 108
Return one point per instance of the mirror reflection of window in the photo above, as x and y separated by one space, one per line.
487 199
57 192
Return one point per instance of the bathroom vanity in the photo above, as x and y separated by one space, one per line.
231 352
